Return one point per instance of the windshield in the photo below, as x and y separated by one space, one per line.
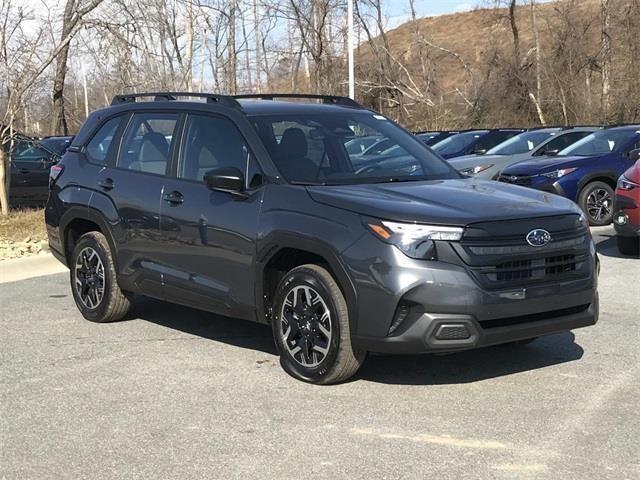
314 149
600 143
458 142
525 142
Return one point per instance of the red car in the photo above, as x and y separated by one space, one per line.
627 208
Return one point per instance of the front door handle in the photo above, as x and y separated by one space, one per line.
24 171
173 198
106 183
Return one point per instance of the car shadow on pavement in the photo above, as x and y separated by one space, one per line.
462 367
236 332
471 365
607 246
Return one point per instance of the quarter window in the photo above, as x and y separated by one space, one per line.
98 147
147 143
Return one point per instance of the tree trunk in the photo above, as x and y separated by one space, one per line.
514 33
59 125
4 191
606 58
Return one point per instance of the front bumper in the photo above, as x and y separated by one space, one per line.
626 219
440 293
432 333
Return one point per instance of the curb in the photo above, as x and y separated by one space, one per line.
16 269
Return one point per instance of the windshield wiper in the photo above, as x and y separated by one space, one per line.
310 183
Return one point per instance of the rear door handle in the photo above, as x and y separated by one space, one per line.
106 183
174 198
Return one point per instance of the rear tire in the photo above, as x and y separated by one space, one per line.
94 282
311 327
628 245
596 201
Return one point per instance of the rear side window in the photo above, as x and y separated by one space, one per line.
147 142
211 142
98 147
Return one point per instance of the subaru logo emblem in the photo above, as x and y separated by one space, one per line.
513 178
538 237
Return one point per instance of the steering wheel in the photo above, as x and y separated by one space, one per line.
368 168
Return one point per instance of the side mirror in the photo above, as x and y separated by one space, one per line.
634 155
552 153
226 179
480 151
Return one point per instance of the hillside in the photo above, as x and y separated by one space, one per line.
464 66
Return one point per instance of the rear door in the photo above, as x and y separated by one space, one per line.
210 236
133 183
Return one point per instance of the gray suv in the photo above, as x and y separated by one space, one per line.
252 208
528 145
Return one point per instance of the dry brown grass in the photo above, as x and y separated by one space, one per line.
21 224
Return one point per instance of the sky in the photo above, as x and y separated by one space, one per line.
399 12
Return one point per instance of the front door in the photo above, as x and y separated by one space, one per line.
210 235
30 166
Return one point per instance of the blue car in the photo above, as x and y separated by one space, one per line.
473 142
585 172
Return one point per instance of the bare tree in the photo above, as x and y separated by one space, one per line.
74 12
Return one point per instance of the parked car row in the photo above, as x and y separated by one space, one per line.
582 163
31 160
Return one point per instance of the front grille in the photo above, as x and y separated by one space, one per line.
537 269
524 180
499 257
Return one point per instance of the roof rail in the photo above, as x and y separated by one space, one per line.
226 100
614 125
542 127
331 99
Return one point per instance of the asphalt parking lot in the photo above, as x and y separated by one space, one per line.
177 393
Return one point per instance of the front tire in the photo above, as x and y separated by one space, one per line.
628 245
94 282
596 201
311 327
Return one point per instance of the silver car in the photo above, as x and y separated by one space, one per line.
530 144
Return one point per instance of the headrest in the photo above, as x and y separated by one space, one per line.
293 143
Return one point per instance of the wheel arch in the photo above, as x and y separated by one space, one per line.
608 177
281 254
77 221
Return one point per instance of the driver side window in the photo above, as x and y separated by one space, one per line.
210 143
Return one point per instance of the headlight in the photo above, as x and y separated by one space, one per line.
475 170
625 184
414 240
559 173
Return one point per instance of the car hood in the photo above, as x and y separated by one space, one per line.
443 202
546 164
